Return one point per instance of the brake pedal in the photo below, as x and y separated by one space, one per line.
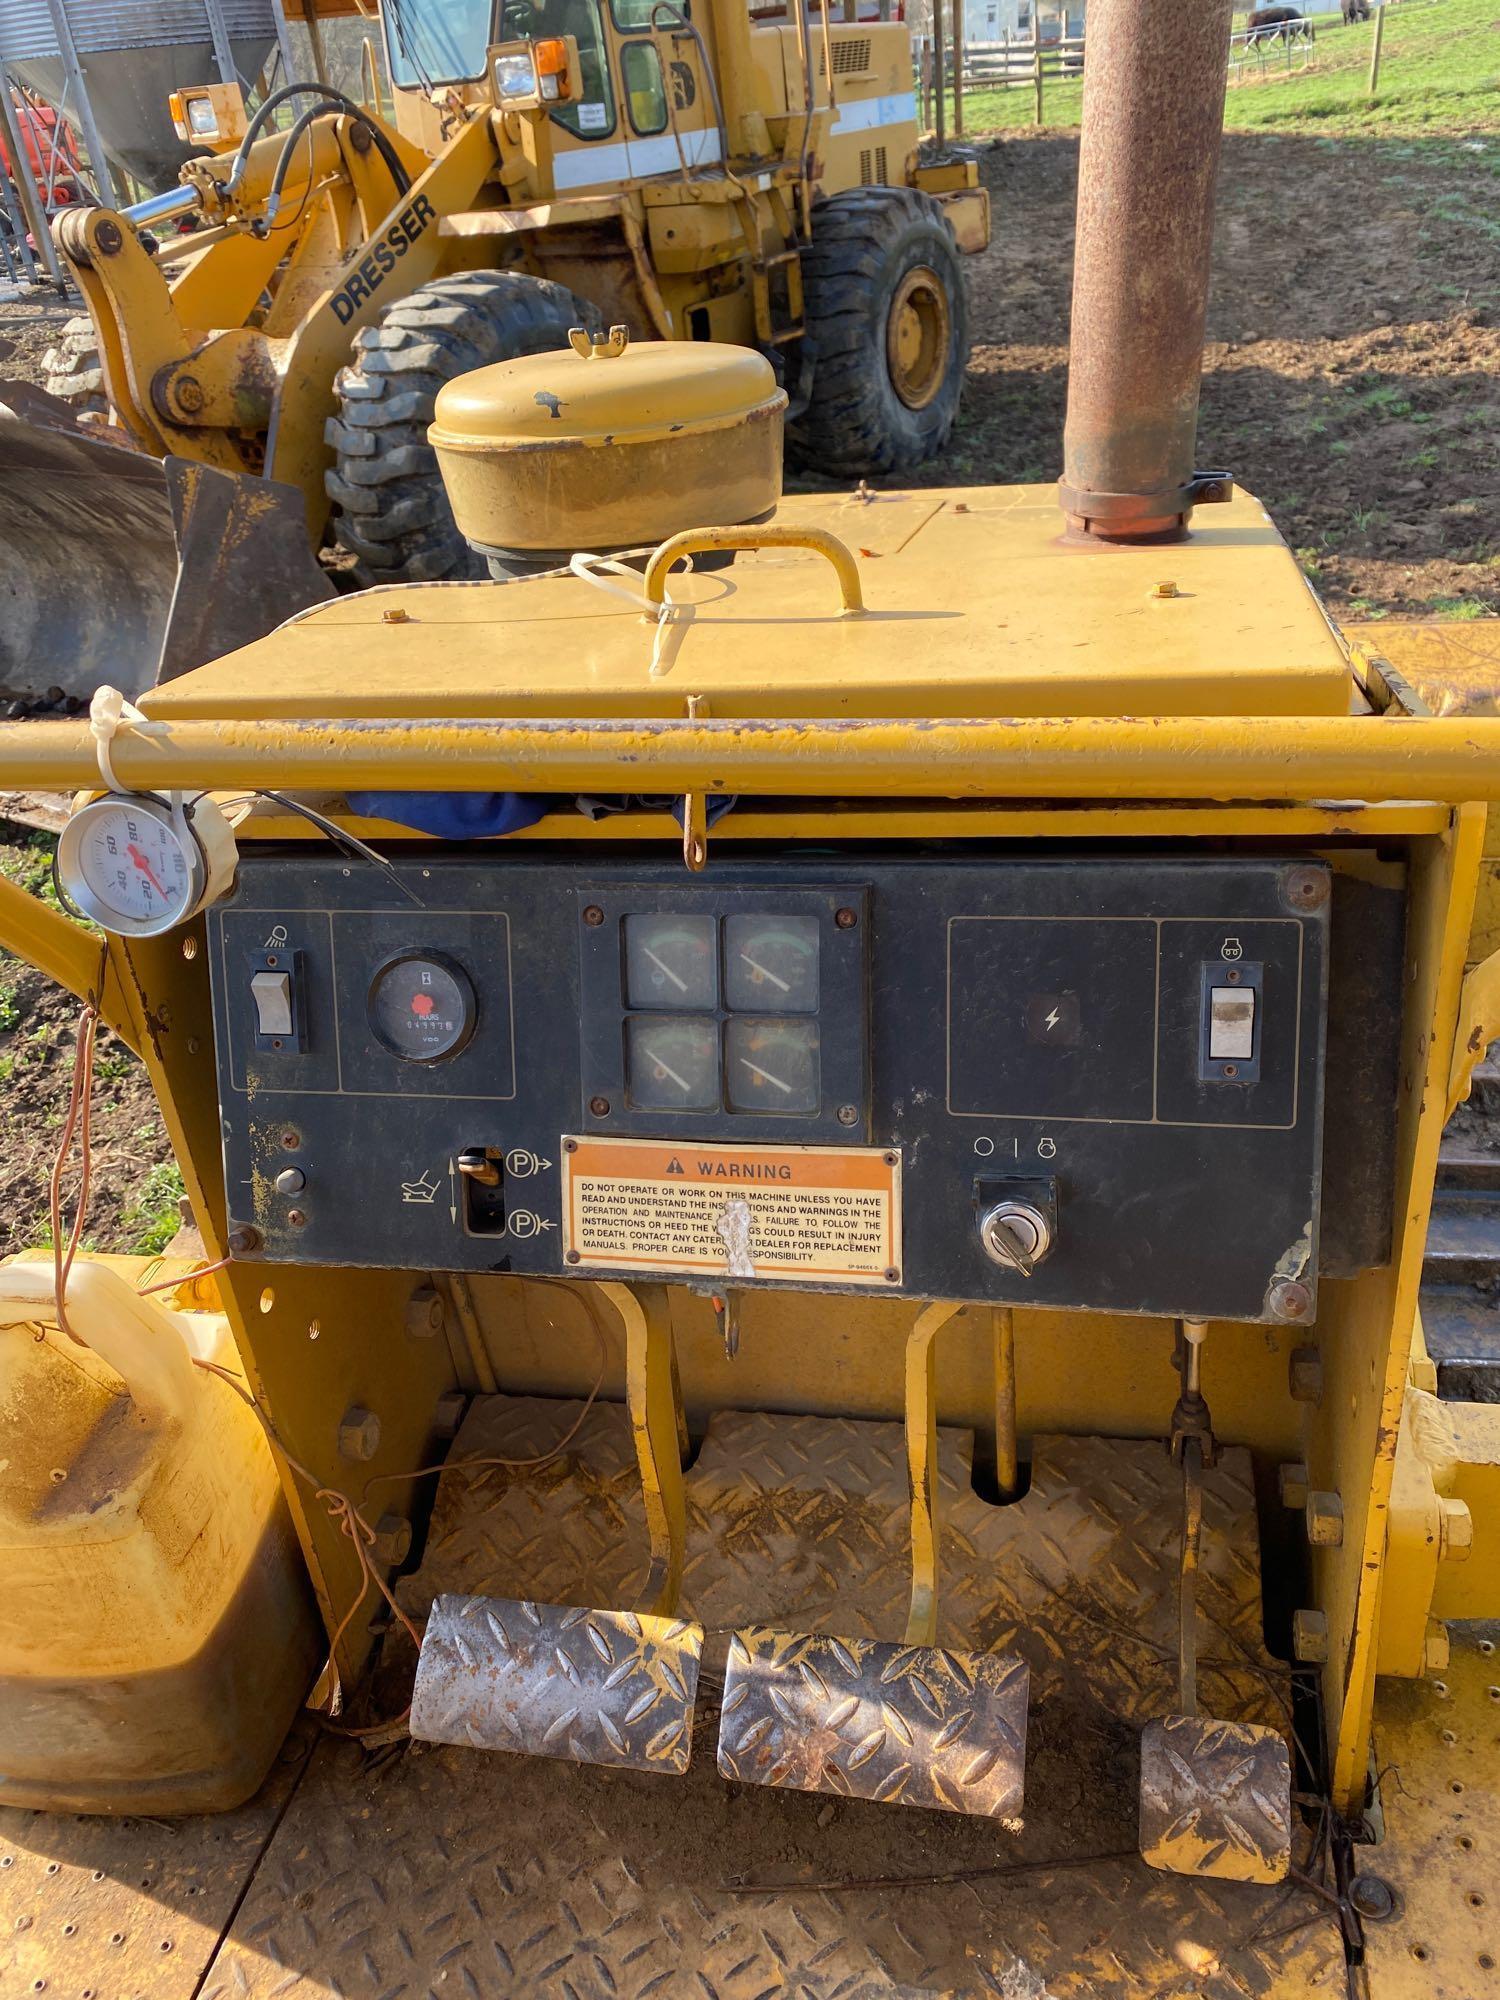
870 1719
550 1680
1216 1797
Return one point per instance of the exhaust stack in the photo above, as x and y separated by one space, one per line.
1153 115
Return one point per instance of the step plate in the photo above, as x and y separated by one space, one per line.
428 1869
550 1680
864 1719
1216 1799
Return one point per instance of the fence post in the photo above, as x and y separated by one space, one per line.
939 64
958 67
1036 55
1375 46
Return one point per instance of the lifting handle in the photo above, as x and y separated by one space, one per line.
700 541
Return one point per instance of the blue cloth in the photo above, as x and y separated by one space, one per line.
487 815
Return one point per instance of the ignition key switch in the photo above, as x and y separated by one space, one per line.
1017 1222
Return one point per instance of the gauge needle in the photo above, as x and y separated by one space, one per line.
667 1070
756 1070
144 866
662 966
765 973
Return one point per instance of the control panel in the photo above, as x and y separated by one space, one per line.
1086 1083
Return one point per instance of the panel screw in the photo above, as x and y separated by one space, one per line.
848 1114
424 1313
846 919
1310 1637
1373 1897
1305 888
243 1239
359 1433
1304 1375
296 1218
593 916
1324 1515
290 1140
1289 1300
599 1106
573 1257
570 1145
893 1276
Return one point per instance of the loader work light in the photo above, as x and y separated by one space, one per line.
524 74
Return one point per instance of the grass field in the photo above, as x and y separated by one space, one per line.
1439 73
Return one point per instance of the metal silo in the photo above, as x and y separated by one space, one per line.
114 63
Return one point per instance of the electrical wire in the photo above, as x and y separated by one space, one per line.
77 1119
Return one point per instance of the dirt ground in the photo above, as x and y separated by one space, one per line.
1352 383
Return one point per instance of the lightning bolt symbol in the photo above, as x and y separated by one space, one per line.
1052 1018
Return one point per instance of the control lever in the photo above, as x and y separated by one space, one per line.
1016 1234
479 1164
1216 1796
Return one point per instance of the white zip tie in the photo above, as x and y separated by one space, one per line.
109 711
671 620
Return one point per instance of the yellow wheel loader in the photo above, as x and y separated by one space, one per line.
713 178
813 1131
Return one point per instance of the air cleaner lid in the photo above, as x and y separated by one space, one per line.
611 391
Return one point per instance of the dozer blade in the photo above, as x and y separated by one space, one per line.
1216 1799
868 1719
87 555
550 1680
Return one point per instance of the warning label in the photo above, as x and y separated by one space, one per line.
734 1212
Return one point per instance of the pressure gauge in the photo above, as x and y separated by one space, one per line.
139 864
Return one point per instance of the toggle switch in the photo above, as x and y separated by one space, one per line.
272 994
1231 1023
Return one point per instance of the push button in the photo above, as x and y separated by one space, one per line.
272 994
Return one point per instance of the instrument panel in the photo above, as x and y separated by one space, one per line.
1089 1082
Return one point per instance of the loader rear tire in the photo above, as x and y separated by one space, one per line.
391 513
888 325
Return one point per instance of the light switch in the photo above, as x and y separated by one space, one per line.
1231 1023
272 994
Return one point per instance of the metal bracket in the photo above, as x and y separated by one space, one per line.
1478 1026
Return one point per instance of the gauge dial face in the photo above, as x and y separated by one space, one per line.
669 961
672 1062
128 868
773 1067
771 964
422 1007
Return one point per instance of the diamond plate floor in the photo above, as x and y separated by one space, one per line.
442 1872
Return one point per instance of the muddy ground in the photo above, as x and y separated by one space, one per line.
1352 383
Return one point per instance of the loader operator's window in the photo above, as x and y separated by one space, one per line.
593 116
435 41
645 93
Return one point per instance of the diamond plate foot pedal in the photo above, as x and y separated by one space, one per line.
868 1719
1216 1799
551 1680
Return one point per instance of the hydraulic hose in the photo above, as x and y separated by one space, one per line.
328 100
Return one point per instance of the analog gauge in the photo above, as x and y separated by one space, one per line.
422 1007
672 1063
130 865
771 964
773 1066
669 961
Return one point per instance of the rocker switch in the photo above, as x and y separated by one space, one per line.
1231 1023
272 994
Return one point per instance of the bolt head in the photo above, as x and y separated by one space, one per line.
599 1106
448 1412
848 1114
359 1433
1435 1648
846 919
1455 1530
1291 1479
1310 1637
1305 1375
392 1543
1324 1515
593 916
1289 1300
242 1239
109 238
424 1313
1374 1898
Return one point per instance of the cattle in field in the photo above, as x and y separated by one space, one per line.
1355 10
1278 24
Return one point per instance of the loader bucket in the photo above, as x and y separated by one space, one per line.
87 555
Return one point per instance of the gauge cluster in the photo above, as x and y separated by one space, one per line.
1093 1081
714 1008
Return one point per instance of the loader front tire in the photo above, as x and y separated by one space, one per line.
888 325
391 513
